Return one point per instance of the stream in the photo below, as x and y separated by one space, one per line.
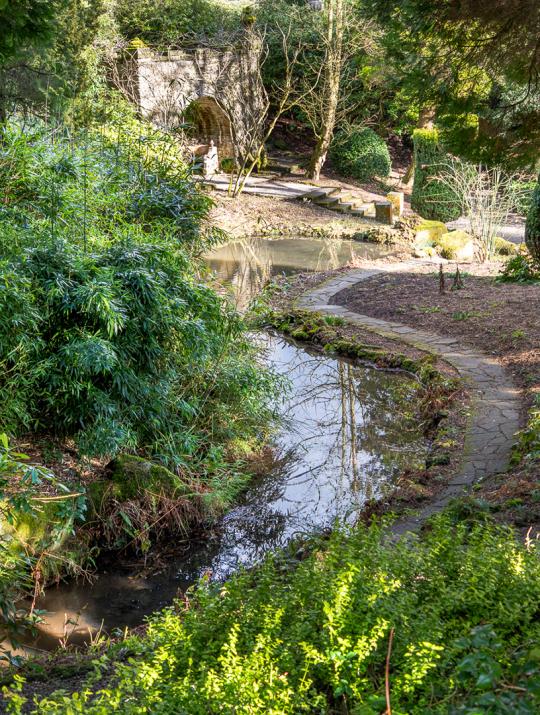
345 437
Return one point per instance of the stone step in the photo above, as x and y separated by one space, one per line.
345 206
328 201
337 199
315 194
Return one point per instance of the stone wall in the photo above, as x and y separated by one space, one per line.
223 84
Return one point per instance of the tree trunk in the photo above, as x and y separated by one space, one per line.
331 84
318 157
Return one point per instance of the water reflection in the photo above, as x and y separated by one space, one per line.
345 437
247 265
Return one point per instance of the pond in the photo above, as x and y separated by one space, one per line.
346 435
247 265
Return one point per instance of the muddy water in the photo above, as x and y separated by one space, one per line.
247 265
345 437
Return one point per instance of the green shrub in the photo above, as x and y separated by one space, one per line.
432 199
125 177
107 335
313 636
169 20
360 153
524 194
532 229
519 269
112 338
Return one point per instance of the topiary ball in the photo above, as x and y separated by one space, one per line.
360 153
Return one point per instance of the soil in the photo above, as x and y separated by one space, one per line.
249 215
285 291
501 319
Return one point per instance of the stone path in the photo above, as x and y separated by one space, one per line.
285 189
281 188
495 417
262 186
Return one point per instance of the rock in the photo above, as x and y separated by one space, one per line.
456 245
505 248
130 477
428 232
384 212
397 199
380 234
424 252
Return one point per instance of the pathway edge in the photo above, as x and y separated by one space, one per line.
496 405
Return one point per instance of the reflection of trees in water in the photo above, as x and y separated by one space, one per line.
360 415
249 264
246 266
346 432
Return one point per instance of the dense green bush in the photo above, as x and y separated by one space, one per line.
532 229
519 269
432 199
313 636
107 334
125 176
360 153
110 333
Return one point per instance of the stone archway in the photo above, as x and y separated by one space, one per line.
207 121
223 87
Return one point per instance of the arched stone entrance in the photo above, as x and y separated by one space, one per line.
207 121
221 88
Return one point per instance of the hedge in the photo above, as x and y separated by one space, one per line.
360 153
431 198
532 229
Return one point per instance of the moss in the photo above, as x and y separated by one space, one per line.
379 234
505 248
428 232
456 245
130 477
300 334
135 474
438 459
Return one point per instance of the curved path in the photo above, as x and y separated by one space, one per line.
495 416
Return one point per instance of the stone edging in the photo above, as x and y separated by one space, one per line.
495 417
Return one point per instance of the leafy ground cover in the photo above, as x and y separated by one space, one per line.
444 624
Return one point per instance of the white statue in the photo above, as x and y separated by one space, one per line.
210 161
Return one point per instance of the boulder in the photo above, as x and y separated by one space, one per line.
130 477
428 232
378 234
505 248
456 245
